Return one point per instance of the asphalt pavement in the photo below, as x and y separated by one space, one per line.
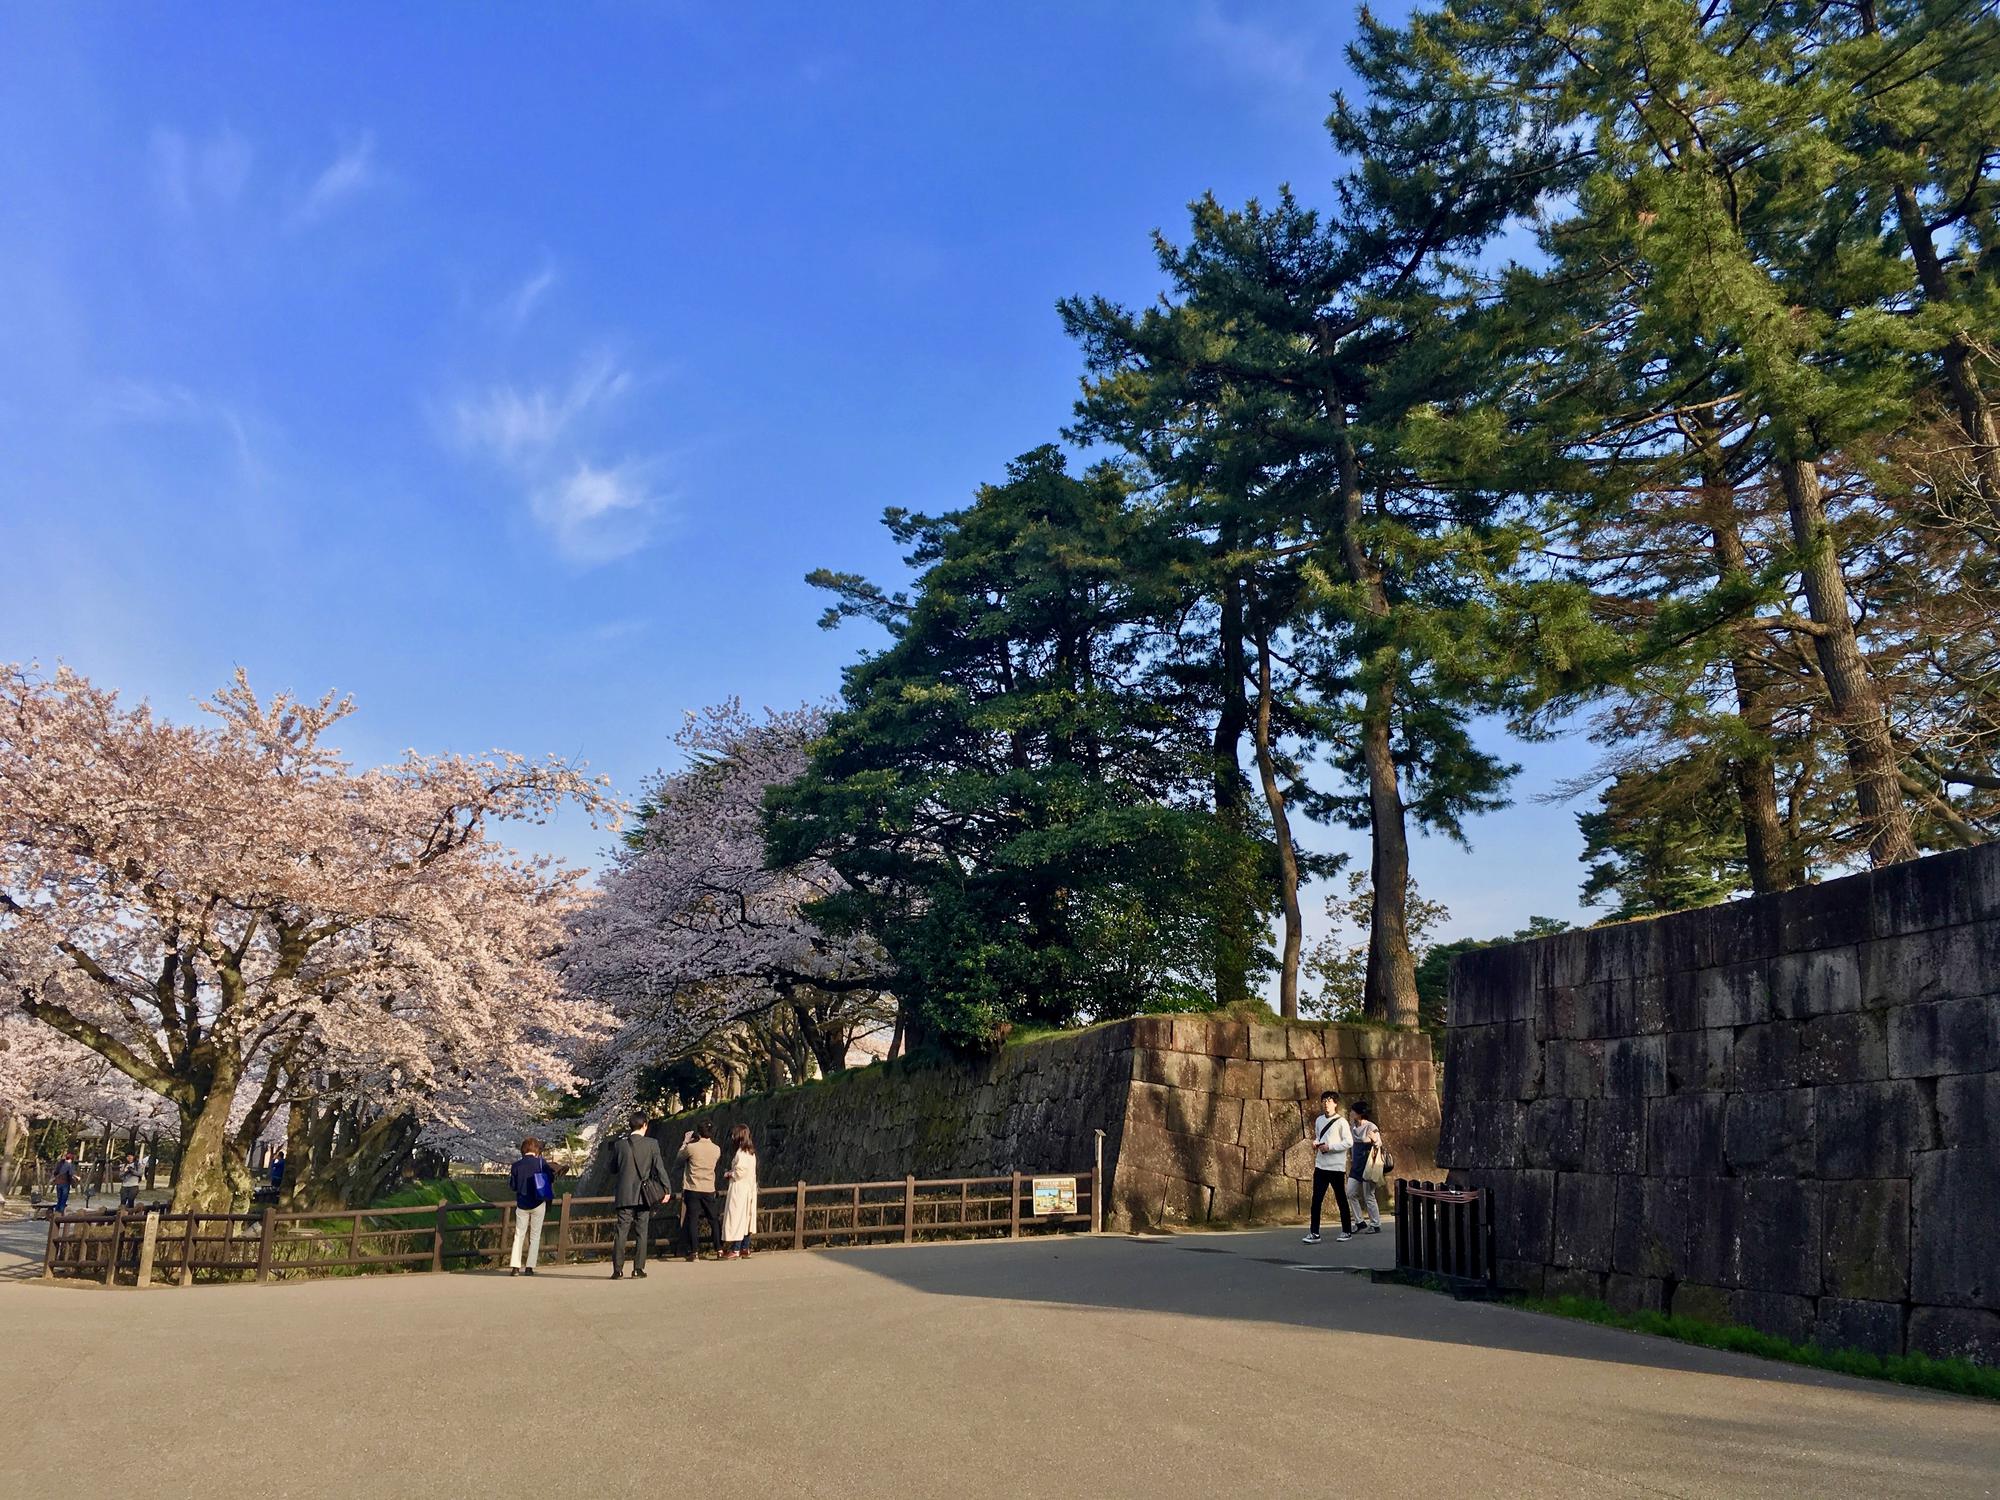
1191 1365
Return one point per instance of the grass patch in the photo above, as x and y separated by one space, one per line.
1959 1376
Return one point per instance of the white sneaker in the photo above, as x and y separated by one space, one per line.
1311 1239
1343 1237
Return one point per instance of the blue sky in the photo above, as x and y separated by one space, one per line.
508 367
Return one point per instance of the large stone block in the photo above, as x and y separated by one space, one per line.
1955 1228
1193 1158
1574 1069
1523 1212
1635 1293
1870 1129
1824 915
1185 1111
1956 1333
1304 1042
1685 1132
1715 1231
1271 1195
1778 1313
1705 1304
1736 932
1497 1061
1635 1067
1767 1055
1698 1061
1770 1132
1651 1235
1553 1134
1947 964
1524 1276
1847 1048
1872 1327
1635 1005
1575 1011
1816 982
1585 1220
1945 1036
1346 1076
1281 1080
1867 1239
1268 1043
1735 994
1560 960
1482 1135
1782 1235
1141 1198
1573 1281
1615 1135
1942 890
1274 1137
1622 951
1968 1110
1491 984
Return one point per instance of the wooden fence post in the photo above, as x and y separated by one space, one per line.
799 1217
1014 1209
437 1241
49 1251
149 1240
501 1250
187 1250
562 1232
909 1206
117 1244
270 1229
1097 1189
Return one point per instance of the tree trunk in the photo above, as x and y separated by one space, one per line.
1772 862
1389 992
357 1176
1288 854
204 1183
1234 938
1857 706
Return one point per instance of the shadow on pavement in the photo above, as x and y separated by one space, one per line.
1269 1276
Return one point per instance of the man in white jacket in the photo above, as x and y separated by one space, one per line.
1333 1139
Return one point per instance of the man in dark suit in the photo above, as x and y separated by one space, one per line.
639 1187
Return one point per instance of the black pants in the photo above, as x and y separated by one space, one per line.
1322 1180
636 1219
695 1207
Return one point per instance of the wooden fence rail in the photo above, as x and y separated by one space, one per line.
117 1248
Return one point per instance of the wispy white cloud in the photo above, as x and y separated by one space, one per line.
156 402
351 172
1262 49
513 425
188 172
550 438
596 515
519 305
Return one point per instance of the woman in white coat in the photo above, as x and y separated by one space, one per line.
739 1208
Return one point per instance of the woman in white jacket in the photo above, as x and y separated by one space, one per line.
739 1207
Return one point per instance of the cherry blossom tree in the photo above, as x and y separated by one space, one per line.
238 921
692 933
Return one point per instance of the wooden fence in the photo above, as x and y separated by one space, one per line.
1444 1232
119 1248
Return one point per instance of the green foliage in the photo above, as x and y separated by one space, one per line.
1434 973
1016 815
1960 1377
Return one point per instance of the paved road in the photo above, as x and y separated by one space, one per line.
1201 1365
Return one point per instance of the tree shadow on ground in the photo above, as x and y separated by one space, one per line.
1268 1276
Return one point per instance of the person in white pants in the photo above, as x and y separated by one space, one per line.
533 1181
1367 1148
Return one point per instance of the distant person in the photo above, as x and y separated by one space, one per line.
698 1156
62 1179
128 1183
639 1186
739 1205
534 1183
1367 1154
1332 1140
278 1170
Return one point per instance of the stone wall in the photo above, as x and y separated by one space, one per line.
1204 1118
1783 1112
